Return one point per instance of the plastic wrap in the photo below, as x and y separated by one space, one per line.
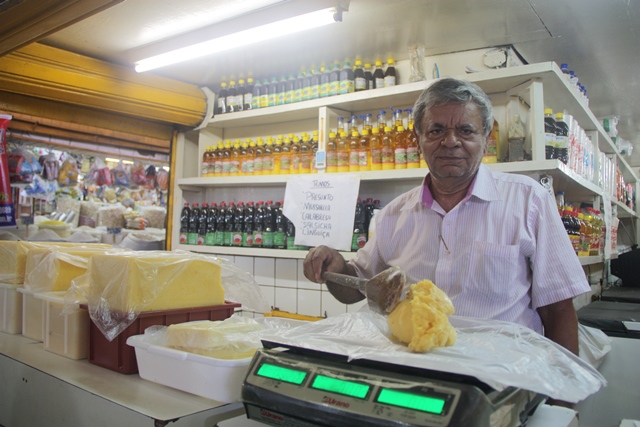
89 214
114 305
23 165
156 215
501 354
594 345
233 338
68 173
111 216
137 173
68 205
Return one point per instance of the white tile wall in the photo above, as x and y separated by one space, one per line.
286 273
310 302
287 300
264 271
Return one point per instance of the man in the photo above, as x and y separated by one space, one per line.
493 242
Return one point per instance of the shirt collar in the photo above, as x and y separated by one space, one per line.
483 187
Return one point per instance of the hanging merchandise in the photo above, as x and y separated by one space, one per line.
98 174
50 166
120 176
23 165
138 176
68 174
151 177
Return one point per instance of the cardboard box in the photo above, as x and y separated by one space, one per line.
216 379
118 356
10 309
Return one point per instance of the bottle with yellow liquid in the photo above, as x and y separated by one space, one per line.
388 150
267 157
226 158
295 155
244 160
234 167
314 150
342 148
306 154
375 144
285 156
400 148
354 151
364 151
493 142
250 156
257 161
277 155
413 150
332 153
206 162
219 153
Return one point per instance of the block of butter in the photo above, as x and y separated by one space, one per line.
51 269
155 280
13 257
225 339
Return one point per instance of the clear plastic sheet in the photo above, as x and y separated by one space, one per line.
594 345
233 338
116 306
501 354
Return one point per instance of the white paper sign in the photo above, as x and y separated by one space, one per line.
322 208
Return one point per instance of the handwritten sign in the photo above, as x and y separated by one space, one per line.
322 208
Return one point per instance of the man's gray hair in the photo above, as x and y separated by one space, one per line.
449 90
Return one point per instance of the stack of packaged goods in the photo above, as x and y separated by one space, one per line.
585 227
257 224
312 83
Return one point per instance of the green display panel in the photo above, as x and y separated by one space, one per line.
336 385
281 373
433 405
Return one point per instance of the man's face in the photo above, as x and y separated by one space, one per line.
452 140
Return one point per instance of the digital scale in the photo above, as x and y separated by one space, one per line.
291 386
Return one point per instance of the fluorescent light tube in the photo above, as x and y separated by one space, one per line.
242 38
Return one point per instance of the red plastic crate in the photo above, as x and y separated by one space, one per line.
118 356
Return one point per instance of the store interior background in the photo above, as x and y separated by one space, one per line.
598 39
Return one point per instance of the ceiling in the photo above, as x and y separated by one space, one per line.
599 39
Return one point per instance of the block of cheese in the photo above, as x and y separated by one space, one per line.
225 339
13 257
422 319
51 269
155 280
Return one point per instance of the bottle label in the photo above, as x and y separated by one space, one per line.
210 239
248 99
354 158
324 90
363 159
306 93
271 100
315 91
267 164
234 167
267 239
236 238
413 155
334 88
226 167
332 158
297 95
255 102
264 101
278 239
290 242
305 161
247 167
280 97
346 86
361 83
295 163
288 97
192 238
389 81
222 105
257 238
239 102
247 239
379 83
387 155
219 238
492 149
217 167
400 156
358 241
343 159
285 162
550 139
200 240
183 238
376 156
228 238
257 164
561 141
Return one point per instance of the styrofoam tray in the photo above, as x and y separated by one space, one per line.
217 379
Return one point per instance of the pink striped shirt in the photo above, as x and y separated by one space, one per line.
499 254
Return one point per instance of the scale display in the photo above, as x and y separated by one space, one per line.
337 385
414 401
281 373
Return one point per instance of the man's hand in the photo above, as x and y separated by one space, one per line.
323 258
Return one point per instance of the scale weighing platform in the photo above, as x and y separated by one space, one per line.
291 386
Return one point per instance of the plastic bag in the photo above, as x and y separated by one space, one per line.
115 305
150 174
155 215
68 174
71 208
89 214
23 165
500 354
162 178
99 174
137 173
41 189
594 345
120 176
50 167
111 216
